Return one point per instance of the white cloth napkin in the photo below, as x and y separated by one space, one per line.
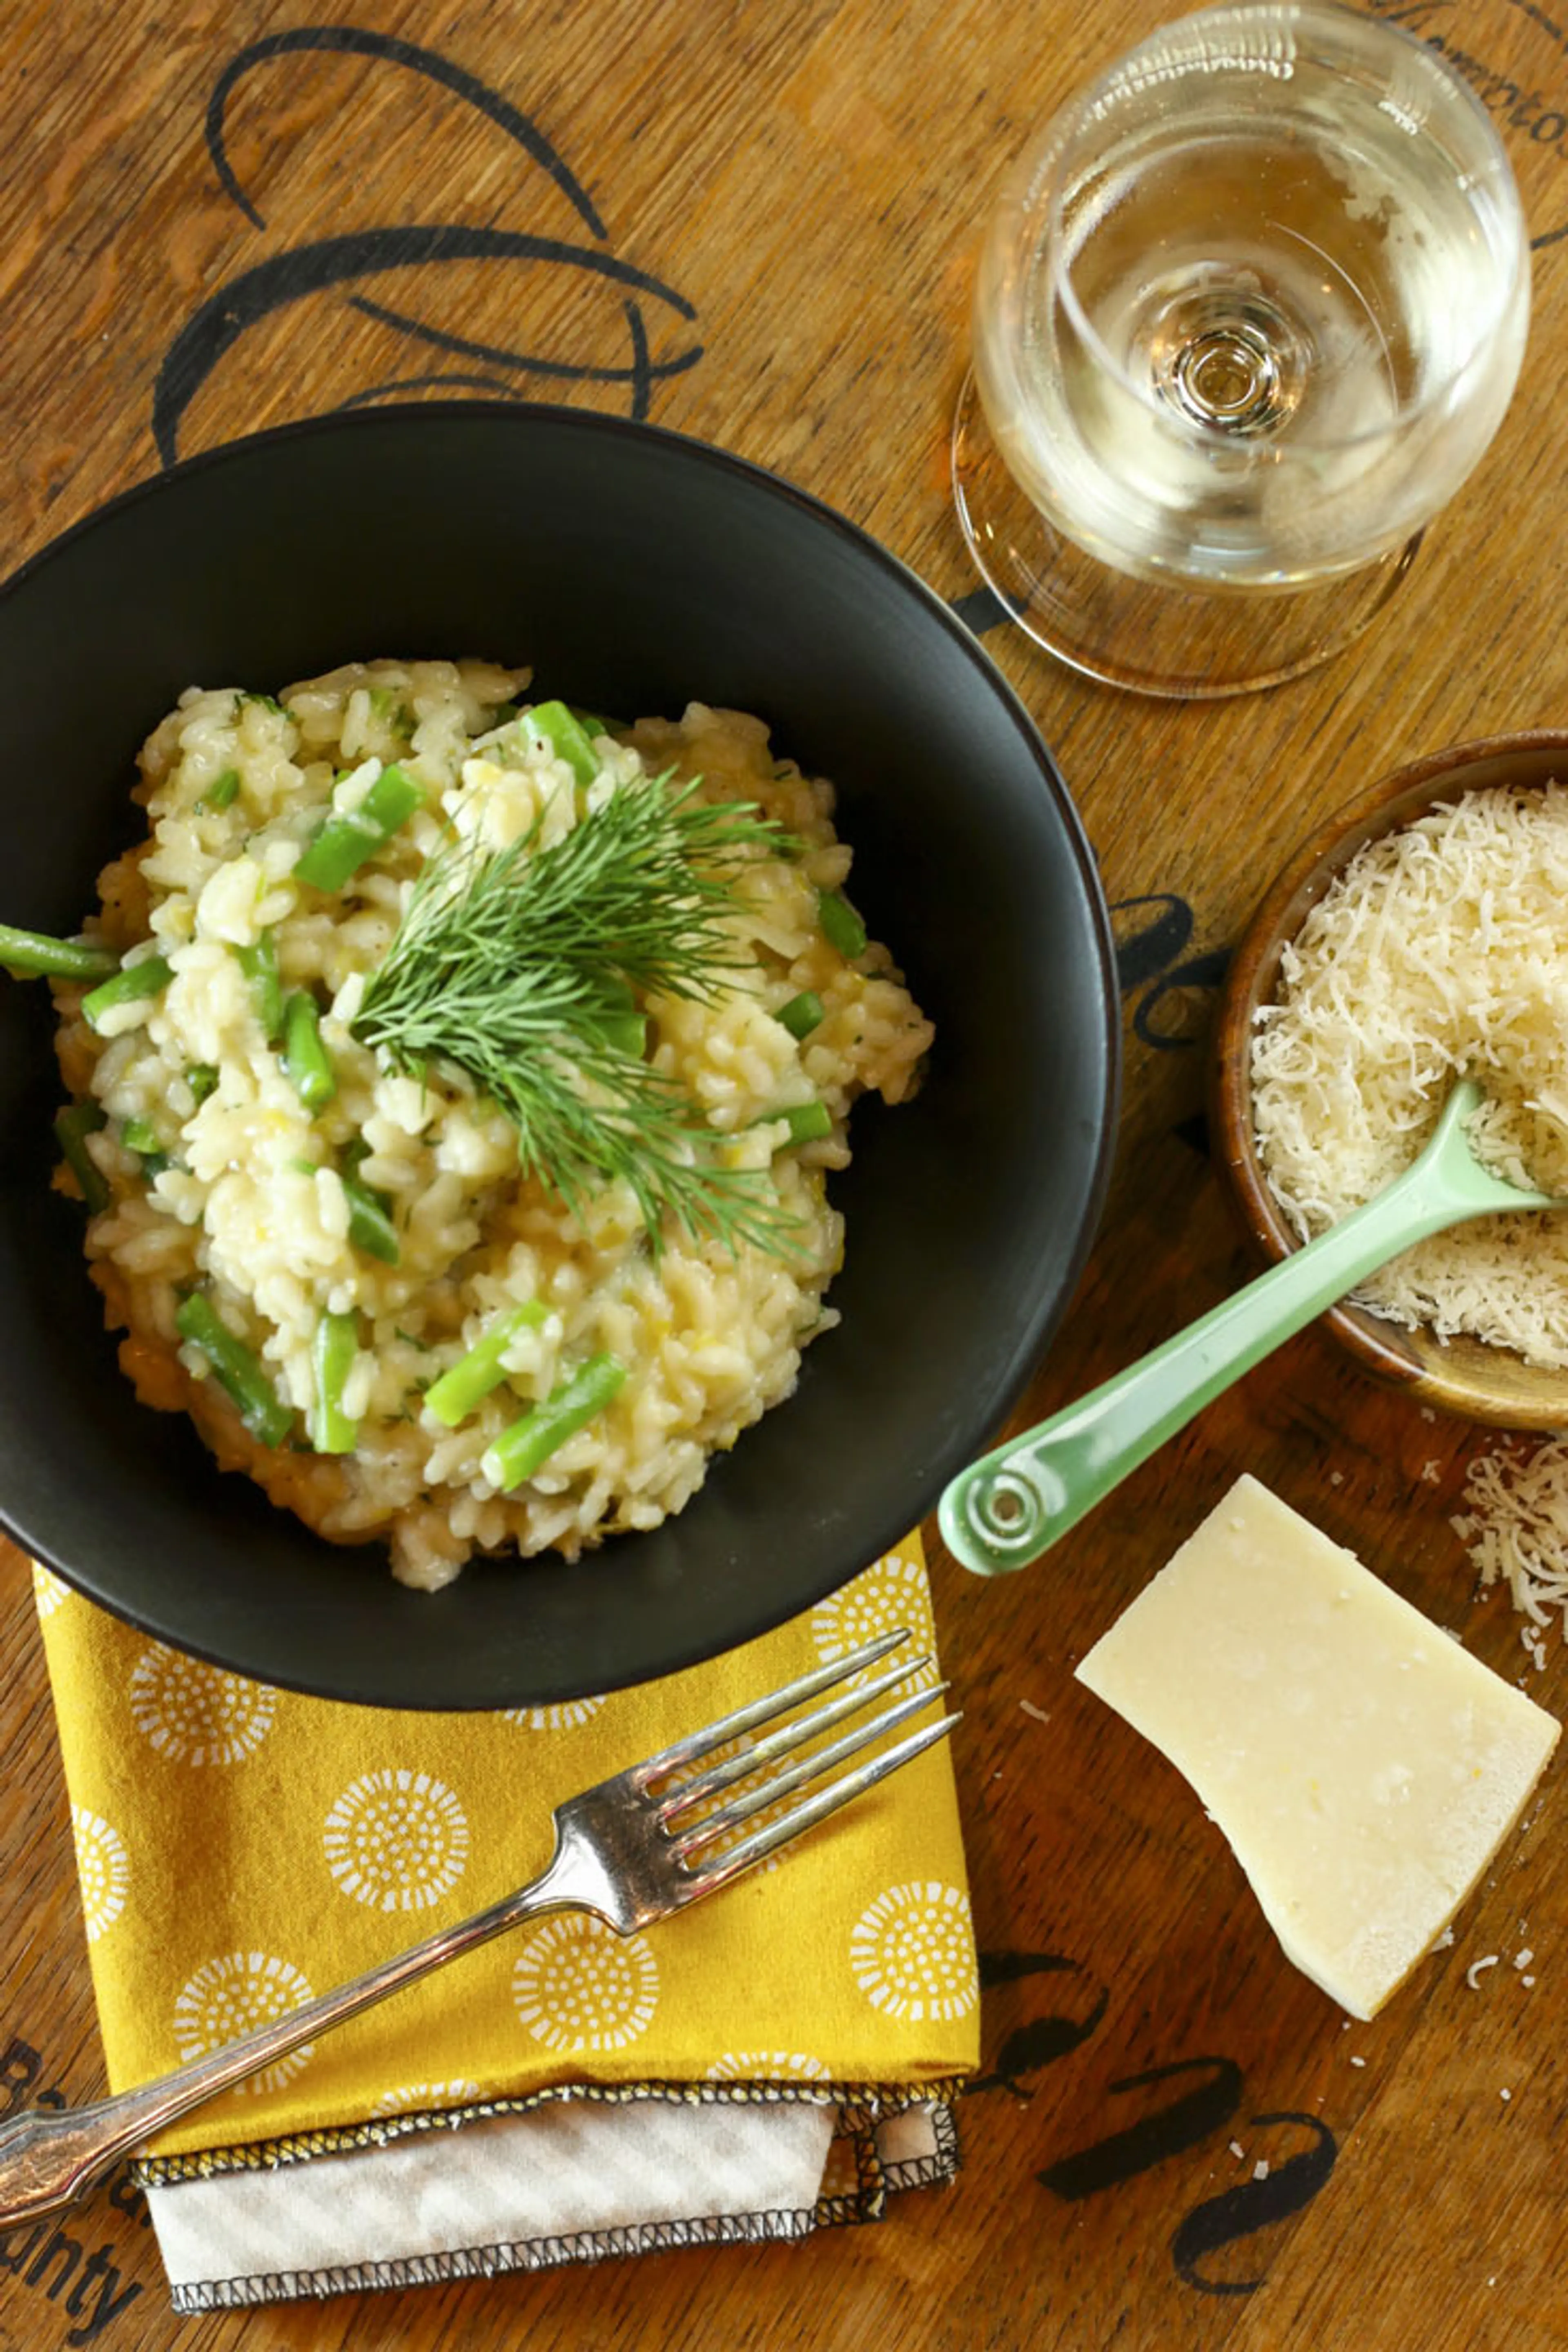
573 2181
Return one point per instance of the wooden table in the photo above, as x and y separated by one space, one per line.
799 182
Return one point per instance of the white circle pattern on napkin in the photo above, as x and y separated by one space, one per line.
912 1952
578 1986
565 1714
102 1868
234 1995
767 2066
50 1591
396 1838
891 1593
413 2098
197 1714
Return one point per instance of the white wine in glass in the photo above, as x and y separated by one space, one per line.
1245 318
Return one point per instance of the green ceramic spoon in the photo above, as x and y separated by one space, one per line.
1010 1506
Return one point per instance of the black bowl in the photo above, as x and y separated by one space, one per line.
634 571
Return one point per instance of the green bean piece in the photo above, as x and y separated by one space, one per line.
236 1368
223 791
465 1384
127 986
259 964
140 1135
387 705
72 1128
334 1345
33 955
809 1122
346 838
202 1080
566 738
841 926
627 1031
520 1449
371 1228
616 1017
305 1058
803 1014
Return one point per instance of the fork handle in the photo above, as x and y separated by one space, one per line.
48 2156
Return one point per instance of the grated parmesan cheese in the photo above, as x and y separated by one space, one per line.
1513 1524
1438 953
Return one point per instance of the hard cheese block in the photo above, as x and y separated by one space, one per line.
1364 1766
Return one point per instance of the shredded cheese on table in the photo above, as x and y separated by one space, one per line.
1440 952
1513 1524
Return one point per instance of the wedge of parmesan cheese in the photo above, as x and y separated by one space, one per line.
1364 1768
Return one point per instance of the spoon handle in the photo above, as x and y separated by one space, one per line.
1006 1508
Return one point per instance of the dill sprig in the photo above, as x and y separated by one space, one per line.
519 967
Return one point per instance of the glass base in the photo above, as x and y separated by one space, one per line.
1185 644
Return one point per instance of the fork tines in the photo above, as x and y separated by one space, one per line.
687 1794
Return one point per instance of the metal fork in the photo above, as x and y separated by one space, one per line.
622 1850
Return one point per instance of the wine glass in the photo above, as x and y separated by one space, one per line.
1248 313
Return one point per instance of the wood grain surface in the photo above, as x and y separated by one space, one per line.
797 185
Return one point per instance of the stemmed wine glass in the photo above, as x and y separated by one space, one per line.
1248 313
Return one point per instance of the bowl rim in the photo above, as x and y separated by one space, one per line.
1014 1366
1383 1348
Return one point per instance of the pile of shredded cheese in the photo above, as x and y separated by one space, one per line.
1440 952
1514 1526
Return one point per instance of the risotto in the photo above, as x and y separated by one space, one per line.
461 1256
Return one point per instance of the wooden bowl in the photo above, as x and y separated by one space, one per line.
1461 1375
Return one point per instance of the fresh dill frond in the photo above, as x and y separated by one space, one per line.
517 967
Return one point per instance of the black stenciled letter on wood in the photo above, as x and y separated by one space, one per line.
1191 2116
1253 2204
343 260
1039 2041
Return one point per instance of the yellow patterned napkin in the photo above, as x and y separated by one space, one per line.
241 1847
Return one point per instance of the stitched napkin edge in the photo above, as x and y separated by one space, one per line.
855 2101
